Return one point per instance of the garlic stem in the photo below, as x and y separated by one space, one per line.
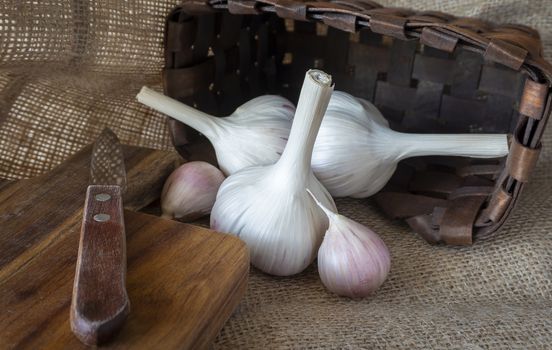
192 117
330 214
313 101
466 145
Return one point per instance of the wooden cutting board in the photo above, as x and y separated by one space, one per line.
183 281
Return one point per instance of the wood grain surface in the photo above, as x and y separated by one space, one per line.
183 281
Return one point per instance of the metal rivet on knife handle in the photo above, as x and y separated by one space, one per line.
102 197
101 217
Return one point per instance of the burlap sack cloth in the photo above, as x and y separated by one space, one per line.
69 68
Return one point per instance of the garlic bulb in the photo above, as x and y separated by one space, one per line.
255 134
356 152
190 191
267 206
353 261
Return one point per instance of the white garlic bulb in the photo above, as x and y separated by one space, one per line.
353 261
255 134
356 152
267 206
190 191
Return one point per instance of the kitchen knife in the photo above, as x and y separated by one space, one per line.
100 302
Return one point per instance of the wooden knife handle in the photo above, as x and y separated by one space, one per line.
100 302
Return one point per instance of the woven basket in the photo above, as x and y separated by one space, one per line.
427 72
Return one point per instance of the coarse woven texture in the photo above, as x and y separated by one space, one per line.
70 68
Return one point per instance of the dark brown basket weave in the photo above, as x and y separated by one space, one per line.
427 72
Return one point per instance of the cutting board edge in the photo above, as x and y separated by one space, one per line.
229 307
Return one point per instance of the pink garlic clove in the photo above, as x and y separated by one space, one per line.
353 260
190 191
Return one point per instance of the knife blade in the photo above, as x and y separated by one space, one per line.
100 303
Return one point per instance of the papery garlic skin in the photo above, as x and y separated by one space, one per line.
255 134
281 227
356 152
249 138
190 191
345 156
352 261
267 206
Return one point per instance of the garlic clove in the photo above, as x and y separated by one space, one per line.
353 261
190 191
